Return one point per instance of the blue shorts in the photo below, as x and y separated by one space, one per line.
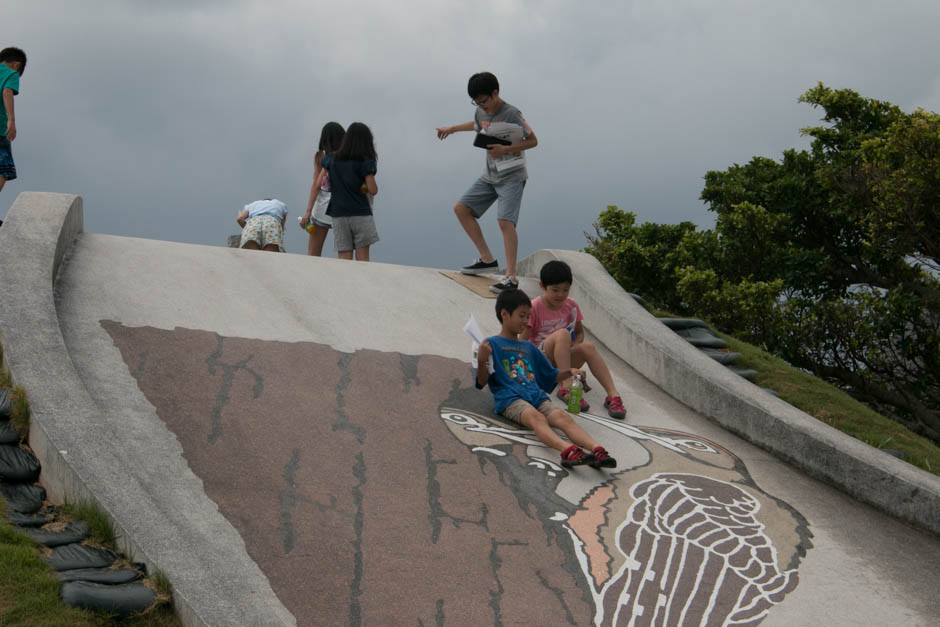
482 194
7 167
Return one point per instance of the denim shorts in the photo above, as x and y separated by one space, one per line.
7 167
482 194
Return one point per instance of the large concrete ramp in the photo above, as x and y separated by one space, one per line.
298 440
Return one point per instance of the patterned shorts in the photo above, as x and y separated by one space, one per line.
7 168
265 230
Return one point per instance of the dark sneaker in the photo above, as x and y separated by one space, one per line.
615 408
479 267
564 394
505 284
575 456
601 459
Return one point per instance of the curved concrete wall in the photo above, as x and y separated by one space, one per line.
656 352
34 240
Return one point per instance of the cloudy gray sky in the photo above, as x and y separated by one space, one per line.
168 116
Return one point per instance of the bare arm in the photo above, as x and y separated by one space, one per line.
11 116
314 192
483 357
242 217
444 131
371 185
578 333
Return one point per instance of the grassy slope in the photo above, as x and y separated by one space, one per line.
831 405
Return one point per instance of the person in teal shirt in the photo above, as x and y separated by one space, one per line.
12 66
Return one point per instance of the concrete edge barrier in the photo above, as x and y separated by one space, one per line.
652 349
34 240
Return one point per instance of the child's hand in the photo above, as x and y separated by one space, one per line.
483 354
578 373
495 151
444 131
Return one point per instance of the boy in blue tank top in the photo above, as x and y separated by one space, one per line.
522 376
12 66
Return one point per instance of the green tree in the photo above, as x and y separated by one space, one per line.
829 257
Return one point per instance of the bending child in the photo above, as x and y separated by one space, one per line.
262 225
555 327
521 379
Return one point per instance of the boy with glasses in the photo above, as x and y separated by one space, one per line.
503 177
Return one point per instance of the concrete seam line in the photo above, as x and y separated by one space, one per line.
36 238
871 476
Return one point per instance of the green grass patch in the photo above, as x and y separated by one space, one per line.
836 408
99 524
29 592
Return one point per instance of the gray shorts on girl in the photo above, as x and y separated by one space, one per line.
353 232
482 194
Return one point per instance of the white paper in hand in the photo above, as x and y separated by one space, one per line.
472 329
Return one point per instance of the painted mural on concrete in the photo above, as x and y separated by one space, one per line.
376 488
658 546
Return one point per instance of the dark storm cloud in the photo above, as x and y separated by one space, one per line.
167 117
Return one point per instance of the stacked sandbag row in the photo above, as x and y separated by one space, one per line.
698 334
89 575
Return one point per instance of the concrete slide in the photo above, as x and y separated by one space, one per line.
297 440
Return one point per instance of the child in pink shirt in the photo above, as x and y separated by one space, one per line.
555 327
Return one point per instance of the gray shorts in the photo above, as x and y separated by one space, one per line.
351 232
515 409
482 194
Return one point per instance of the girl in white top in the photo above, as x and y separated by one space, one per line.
330 138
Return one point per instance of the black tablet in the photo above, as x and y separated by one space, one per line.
482 141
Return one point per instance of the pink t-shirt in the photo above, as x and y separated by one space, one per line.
544 321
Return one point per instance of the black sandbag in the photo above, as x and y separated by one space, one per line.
683 323
17 465
29 520
701 337
8 435
25 498
122 600
110 576
75 531
743 372
6 402
72 556
722 357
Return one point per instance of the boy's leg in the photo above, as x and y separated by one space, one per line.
559 419
586 352
536 420
272 248
251 245
511 245
2 182
469 209
557 347
473 230
362 253
510 202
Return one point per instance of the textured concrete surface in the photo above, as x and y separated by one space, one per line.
864 472
295 439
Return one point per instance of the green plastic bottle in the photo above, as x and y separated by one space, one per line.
309 227
574 395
